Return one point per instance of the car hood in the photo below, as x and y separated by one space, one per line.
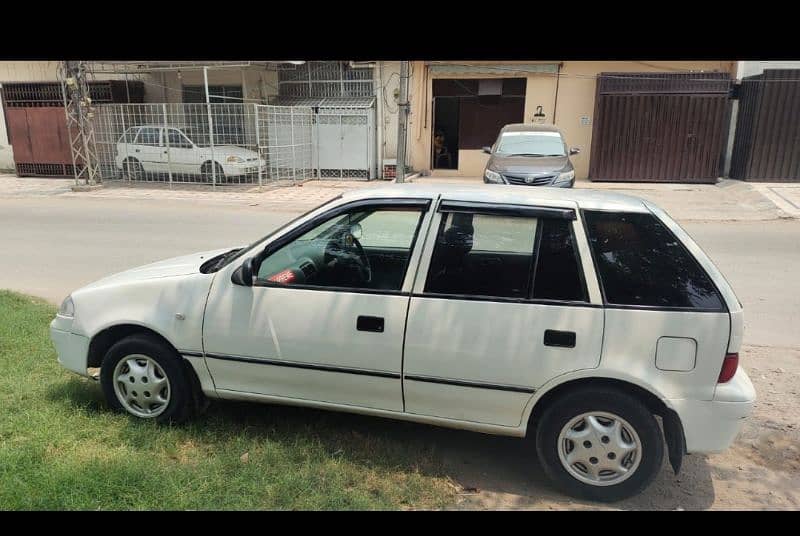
175 266
232 150
527 164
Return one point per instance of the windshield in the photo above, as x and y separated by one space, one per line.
531 144
244 250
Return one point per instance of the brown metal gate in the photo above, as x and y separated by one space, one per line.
767 142
37 127
659 127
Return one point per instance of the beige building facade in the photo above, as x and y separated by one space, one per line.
556 92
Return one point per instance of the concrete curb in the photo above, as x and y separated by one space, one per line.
86 187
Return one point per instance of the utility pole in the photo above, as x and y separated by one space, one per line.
402 122
80 114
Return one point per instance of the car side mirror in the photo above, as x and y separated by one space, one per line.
487 150
574 150
243 275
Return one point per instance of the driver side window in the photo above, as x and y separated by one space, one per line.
363 249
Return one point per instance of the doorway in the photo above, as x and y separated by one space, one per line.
444 146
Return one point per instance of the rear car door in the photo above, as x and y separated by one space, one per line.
500 307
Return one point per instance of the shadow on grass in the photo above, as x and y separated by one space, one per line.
495 471
85 395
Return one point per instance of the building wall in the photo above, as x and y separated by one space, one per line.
571 105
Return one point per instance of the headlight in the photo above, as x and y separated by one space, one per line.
566 177
67 307
236 159
492 176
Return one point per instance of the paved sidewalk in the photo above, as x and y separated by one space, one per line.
727 200
785 196
303 196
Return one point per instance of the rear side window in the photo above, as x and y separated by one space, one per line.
482 255
501 256
558 274
640 262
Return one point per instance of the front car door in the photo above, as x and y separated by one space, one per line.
149 151
184 157
500 307
325 319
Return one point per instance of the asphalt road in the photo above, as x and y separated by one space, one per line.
51 246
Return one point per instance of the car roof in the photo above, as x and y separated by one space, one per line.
507 194
530 127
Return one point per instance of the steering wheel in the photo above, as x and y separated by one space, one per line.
365 268
349 252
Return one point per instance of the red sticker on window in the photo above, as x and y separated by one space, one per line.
284 278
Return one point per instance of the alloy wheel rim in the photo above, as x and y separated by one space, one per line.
599 448
141 386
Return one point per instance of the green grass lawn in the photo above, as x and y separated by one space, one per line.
62 448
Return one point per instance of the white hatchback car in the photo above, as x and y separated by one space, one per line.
155 149
571 317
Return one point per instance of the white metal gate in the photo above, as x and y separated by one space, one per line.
344 139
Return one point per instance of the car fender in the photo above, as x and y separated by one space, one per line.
171 306
593 374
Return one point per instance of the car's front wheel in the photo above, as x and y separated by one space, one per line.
143 376
600 444
210 174
132 169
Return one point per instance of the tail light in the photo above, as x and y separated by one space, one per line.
729 366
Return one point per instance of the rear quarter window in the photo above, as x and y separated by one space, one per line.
641 263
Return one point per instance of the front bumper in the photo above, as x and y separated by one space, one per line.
72 349
712 425
566 184
243 168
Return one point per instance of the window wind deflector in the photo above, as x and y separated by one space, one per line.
504 209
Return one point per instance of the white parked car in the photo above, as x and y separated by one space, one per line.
570 317
154 149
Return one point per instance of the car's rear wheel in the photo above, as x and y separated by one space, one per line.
133 169
144 377
208 175
600 444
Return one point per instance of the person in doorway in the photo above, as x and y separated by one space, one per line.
440 151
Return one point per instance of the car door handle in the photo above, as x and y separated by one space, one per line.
136 150
370 323
563 339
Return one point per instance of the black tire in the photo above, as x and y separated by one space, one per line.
132 169
208 176
182 399
606 400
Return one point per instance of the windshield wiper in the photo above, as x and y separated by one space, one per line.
525 154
